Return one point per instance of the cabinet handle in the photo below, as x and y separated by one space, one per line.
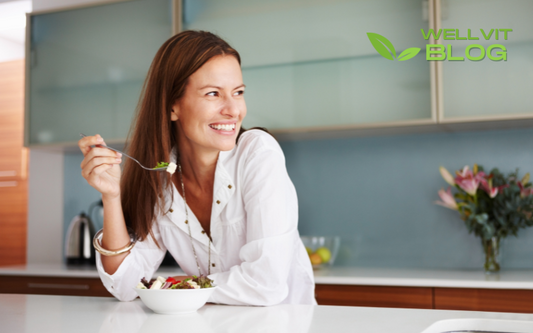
8 184
58 286
10 173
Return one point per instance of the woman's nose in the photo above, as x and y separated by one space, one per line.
232 107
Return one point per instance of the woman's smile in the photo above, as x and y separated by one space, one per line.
224 128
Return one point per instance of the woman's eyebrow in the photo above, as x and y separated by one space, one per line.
217 87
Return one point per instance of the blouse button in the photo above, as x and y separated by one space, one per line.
218 201
229 186
171 210
186 222
203 231
213 265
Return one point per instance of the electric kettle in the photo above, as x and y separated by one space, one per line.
79 249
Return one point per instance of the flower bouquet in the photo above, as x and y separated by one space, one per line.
492 206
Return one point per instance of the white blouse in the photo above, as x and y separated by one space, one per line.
257 256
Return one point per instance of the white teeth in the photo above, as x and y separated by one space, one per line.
227 127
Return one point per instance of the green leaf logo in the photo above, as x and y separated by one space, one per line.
386 49
381 44
408 54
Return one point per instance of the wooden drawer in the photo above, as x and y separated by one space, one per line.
374 296
52 286
13 225
498 300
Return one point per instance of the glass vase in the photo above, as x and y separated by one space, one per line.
491 247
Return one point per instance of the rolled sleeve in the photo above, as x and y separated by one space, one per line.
142 262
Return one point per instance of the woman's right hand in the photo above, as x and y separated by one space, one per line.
101 166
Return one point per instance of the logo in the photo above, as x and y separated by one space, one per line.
386 49
439 52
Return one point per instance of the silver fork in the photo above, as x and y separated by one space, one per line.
118 151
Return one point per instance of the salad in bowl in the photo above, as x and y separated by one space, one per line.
172 296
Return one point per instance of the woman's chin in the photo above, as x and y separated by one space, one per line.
226 147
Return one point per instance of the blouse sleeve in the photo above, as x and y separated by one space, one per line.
271 209
143 261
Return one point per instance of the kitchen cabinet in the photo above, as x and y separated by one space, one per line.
472 299
45 285
375 296
87 66
13 165
486 90
496 300
311 66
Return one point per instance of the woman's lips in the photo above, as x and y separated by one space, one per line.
227 129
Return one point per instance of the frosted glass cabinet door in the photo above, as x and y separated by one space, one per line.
487 89
310 64
88 66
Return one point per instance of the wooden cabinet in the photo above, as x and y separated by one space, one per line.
374 296
498 300
68 286
470 299
13 157
13 165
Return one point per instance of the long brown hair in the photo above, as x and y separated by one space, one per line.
154 135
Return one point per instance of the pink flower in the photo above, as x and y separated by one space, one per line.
447 176
524 191
447 198
469 182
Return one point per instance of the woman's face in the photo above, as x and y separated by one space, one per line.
210 113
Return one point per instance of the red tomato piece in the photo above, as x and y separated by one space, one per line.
171 280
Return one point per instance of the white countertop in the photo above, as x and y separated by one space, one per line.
507 279
43 314
59 270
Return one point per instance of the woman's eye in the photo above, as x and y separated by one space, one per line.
212 93
240 92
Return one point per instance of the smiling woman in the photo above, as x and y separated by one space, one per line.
230 212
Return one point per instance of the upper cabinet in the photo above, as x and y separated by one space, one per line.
310 64
87 67
487 89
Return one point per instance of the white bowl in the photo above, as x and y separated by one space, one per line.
175 301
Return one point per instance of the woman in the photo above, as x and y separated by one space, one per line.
229 212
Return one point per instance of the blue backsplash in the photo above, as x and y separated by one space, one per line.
377 193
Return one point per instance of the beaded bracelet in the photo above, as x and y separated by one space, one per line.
98 247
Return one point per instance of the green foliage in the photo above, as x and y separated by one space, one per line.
501 216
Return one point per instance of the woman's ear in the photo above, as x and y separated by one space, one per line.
174 112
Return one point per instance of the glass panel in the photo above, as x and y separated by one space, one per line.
310 64
486 87
88 66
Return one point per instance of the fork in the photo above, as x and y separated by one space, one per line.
118 151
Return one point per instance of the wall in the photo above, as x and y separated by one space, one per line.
45 207
377 193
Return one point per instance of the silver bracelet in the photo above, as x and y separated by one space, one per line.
98 247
